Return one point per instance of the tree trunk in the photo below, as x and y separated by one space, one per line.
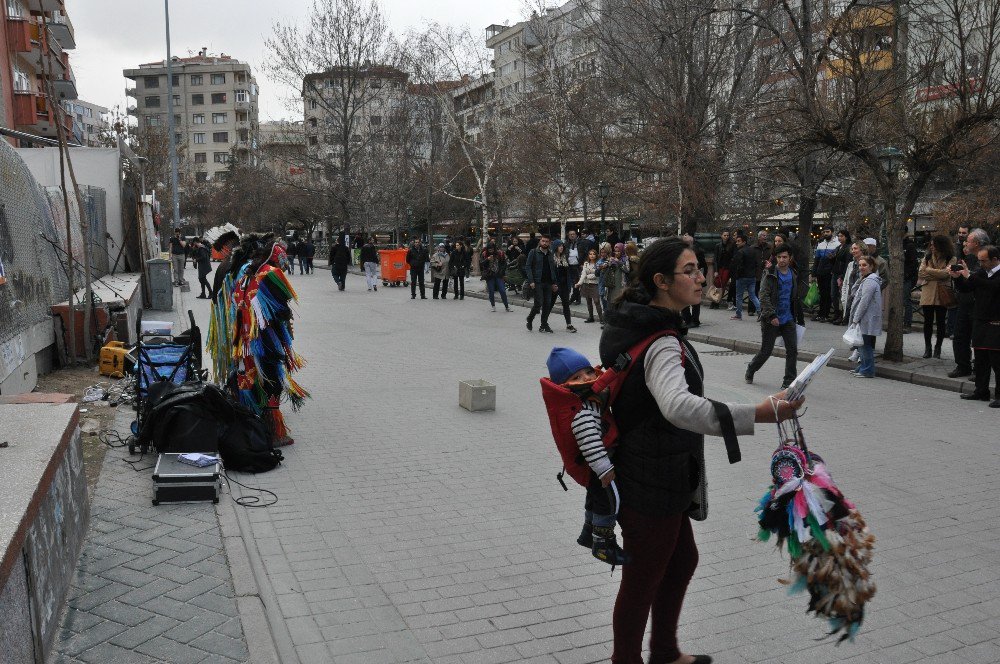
803 240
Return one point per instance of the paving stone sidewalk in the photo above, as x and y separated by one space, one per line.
153 584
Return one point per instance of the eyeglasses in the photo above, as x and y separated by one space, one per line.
690 272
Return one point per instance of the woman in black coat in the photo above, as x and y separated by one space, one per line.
340 258
458 264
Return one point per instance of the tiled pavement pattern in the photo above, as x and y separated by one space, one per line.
409 530
153 583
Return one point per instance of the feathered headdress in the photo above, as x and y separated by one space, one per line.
224 239
828 542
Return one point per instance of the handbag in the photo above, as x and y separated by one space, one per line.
852 337
715 294
946 294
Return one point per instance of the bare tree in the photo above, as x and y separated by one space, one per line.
347 64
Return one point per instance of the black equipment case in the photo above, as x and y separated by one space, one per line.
174 481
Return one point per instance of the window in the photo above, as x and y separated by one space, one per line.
376 83
21 81
90 129
198 118
242 116
177 119
152 120
241 77
243 95
244 134
219 118
199 138
313 140
199 157
178 139
221 157
313 104
197 100
201 176
177 100
175 79
151 81
221 175
329 139
152 102
312 122
220 137
197 79
218 97
376 120
13 9
218 79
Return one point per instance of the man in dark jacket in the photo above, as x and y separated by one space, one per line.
417 257
340 258
307 250
972 242
780 311
540 271
984 283
822 271
745 264
369 263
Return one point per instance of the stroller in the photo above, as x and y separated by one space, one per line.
163 358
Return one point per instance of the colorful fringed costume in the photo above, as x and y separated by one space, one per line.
220 329
828 542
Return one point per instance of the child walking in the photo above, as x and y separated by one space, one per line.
588 285
573 371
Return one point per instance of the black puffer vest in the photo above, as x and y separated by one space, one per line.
659 468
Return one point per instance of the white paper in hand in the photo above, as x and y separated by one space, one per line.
801 382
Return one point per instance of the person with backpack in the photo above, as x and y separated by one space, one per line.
572 371
662 417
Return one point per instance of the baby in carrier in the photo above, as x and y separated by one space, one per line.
571 370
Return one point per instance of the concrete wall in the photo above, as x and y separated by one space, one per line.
97 167
43 523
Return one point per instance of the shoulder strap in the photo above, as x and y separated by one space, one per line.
728 431
615 377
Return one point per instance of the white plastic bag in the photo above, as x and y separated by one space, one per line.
800 331
852 337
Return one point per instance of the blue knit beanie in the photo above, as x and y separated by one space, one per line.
564 362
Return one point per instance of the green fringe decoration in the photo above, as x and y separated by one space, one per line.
794 548
763 535
817 531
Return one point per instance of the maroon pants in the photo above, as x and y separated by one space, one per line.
664 557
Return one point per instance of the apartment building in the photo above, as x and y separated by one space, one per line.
283 149
25 48
215 99
90 122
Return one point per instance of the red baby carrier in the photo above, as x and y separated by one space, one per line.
563 404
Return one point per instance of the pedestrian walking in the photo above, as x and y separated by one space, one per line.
822 272
744 270
565 286
936 295
307 250
203 261
780 313
984 283
458 265
340 258
439 271
974 240
493 267
369 263
659 461
294 247
587 285
541 274
178 257
722 255
866 313
603 261
577 250
417 258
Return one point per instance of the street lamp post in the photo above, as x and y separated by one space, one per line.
170 123
603 190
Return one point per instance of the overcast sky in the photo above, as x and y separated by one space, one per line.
112 35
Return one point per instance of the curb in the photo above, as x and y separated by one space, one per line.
263 626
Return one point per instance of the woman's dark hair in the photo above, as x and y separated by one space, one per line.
559 245
659 257
945 249
846 233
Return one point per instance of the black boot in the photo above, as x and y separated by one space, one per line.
927 349
606 546
937 348
586 538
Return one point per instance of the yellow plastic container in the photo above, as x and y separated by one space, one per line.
114 355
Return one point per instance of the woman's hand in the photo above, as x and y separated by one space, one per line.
776 409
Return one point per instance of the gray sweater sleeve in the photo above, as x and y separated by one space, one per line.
665 380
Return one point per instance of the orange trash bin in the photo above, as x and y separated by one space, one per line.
395 269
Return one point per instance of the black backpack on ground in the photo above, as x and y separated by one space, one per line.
245 445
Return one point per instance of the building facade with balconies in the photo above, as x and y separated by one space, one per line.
35 70
215 110
90 122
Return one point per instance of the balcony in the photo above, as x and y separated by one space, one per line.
62 29
19 35
130 92
132 110
34 114
65 87
48 5
42 45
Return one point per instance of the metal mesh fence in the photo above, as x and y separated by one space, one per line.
34 264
